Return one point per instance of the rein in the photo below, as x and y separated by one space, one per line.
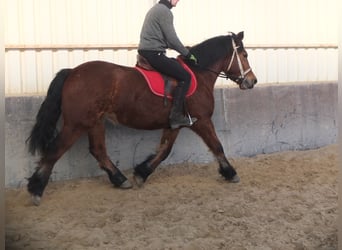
219 74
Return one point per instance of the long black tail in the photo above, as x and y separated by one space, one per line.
44 132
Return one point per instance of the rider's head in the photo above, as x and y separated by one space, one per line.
174 2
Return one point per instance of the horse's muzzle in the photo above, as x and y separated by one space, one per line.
248 83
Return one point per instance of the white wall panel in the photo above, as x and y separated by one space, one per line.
13 72
264 21
287 41
28 69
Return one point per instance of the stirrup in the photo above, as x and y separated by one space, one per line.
191 119
188 123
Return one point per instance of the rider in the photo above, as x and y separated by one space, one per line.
157 35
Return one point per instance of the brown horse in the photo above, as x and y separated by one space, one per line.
97 90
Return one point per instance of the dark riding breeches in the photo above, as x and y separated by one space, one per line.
167 66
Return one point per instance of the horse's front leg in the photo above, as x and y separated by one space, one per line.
205 129
144 169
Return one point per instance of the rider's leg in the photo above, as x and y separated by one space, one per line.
172 68
177 117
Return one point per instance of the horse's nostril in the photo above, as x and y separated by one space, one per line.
255 81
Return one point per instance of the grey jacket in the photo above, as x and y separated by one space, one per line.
158 32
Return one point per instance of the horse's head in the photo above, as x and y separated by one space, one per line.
237 66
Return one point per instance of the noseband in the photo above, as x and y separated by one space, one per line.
243 73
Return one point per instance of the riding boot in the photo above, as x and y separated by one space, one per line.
177 118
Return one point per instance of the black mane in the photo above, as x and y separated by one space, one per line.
212 50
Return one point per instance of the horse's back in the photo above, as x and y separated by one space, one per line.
96 88
97 69
95 76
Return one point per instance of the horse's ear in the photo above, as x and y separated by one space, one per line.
240 36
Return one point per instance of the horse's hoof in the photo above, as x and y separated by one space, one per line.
126 185
235 179
36 199
138 180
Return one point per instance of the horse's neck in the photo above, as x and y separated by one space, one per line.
215 70
208 78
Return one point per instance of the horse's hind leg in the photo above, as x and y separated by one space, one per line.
205 129
38 181
97 148
144 169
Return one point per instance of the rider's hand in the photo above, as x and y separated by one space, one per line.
192 58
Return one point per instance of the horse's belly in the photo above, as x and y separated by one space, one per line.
137 123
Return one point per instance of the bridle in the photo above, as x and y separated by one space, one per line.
243 73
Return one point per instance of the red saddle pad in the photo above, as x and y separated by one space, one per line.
156 83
